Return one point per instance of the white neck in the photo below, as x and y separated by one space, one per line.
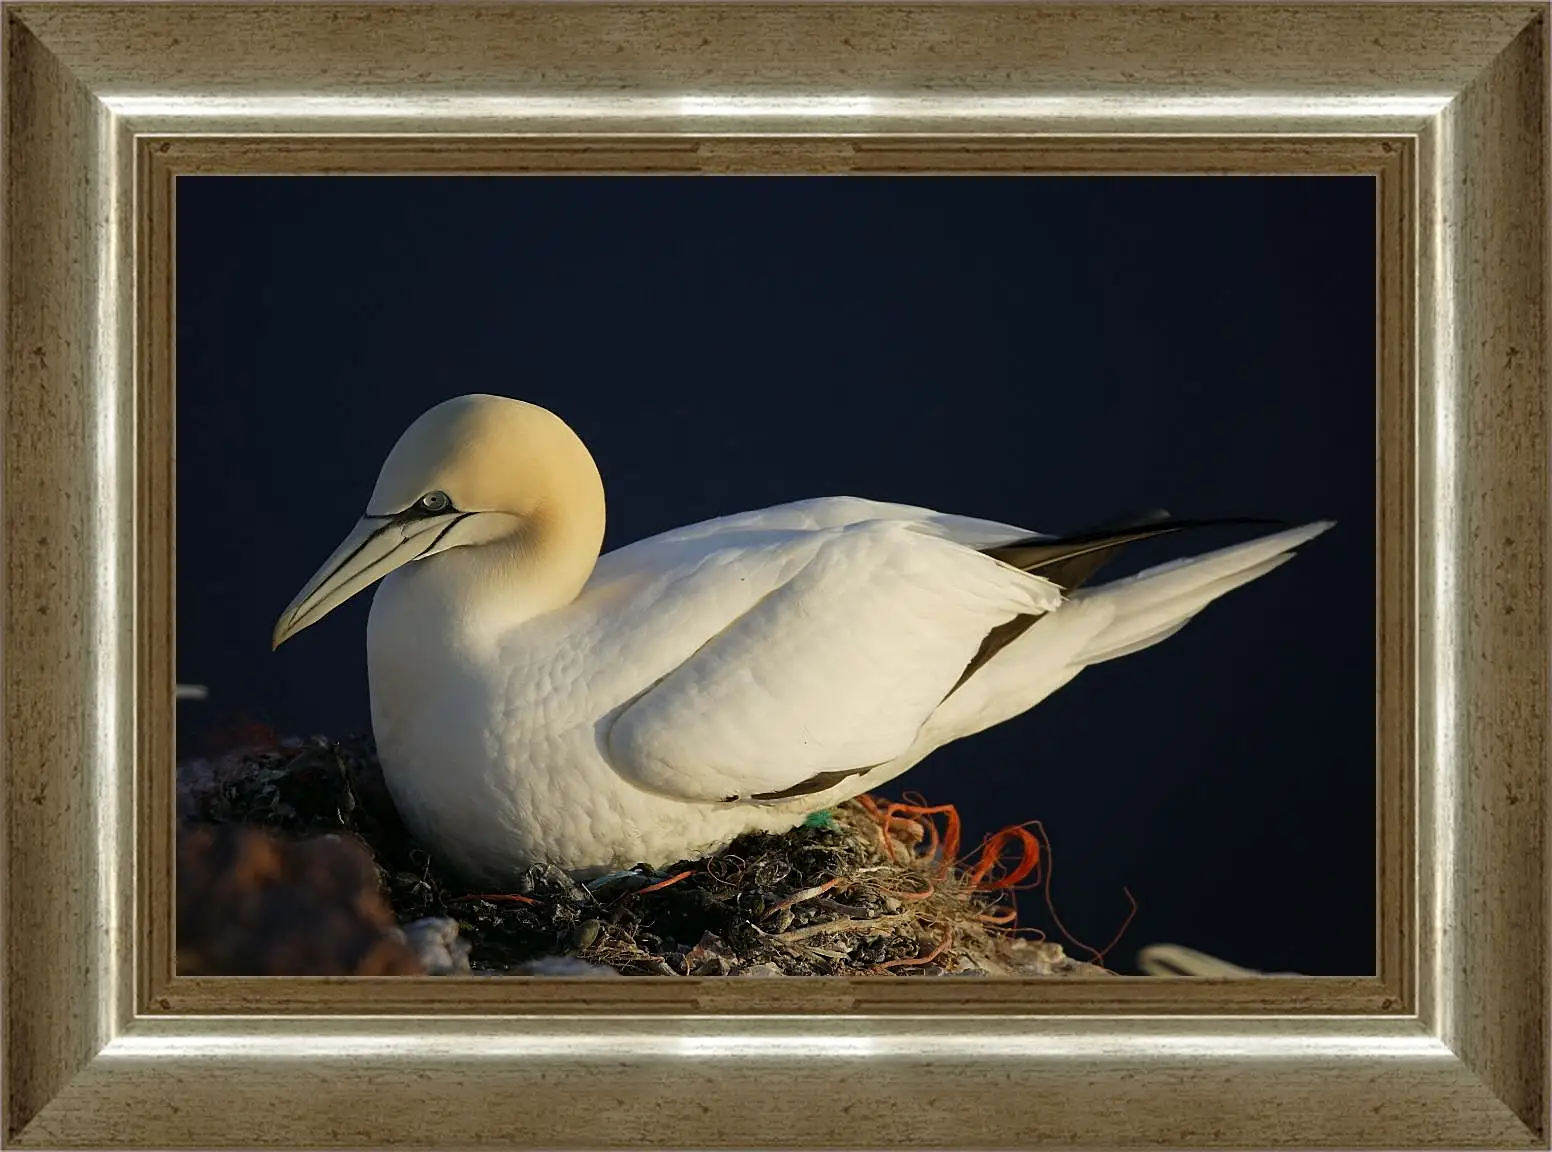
537 569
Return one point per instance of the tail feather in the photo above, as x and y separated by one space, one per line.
1098 623
1157 602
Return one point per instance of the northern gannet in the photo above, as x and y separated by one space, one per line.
535 702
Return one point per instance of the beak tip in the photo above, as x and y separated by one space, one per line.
370 551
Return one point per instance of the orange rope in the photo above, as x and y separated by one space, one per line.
913 961
980 869
901 895
1097 954
1099 957
799 897
991 855
1006 916
950 840
661 884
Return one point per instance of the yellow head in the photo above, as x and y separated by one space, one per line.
472 471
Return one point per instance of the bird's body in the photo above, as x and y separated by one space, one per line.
535 702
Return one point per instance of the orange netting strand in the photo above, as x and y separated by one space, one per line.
1035 851
800 897
992 849
514 898
661 884
913 961
999 919
891 814
1099 957
900 894
1097 954
950 835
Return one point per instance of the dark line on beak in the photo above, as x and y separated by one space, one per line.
356 551
453 523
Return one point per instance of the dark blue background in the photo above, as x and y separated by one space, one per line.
1046 351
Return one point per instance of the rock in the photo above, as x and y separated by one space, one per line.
1046 958
560 966
548 880
765 969
435 941
253 904
585 934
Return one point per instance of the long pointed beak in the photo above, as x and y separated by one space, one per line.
374 548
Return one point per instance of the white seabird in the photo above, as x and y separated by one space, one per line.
533 701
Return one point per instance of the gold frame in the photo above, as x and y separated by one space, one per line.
1445 104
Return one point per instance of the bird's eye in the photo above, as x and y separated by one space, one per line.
435 501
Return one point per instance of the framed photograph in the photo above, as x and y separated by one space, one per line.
916 315
1028 347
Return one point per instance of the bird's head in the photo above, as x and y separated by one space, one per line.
473 470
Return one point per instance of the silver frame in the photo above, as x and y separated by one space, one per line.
106 104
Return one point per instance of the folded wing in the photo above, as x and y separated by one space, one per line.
830 673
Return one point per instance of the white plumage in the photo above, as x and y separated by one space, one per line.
533 701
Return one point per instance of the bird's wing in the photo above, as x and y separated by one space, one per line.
676 545
824 672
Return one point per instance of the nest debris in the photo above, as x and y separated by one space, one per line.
869 887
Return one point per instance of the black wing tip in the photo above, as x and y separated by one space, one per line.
1070 560
1158 517
1132 520
1158 523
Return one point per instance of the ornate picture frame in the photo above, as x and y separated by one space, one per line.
1445 105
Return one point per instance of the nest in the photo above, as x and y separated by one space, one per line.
870 887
